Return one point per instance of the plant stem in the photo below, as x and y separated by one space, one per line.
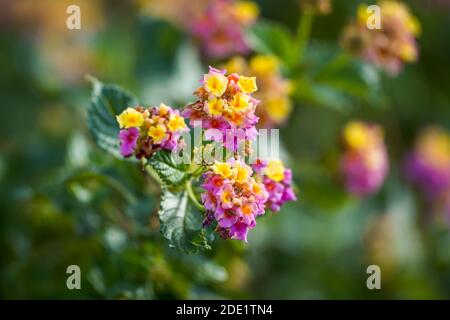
303 33
192 196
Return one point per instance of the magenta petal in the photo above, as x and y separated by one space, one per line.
128 139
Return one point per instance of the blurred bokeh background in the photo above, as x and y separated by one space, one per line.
64 201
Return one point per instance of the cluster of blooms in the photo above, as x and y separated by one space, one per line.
317 6
233 198
225 104
219 25
273 89
145 130
428 166
221 28
391 45
365 163
278 182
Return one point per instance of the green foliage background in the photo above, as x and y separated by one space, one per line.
64 201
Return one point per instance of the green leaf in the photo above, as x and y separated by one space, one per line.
181 222
322 95
272 38
107 101
335 80
170 172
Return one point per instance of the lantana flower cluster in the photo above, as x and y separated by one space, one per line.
233 198
390 46
225 104
218 25
146 130
278 182
273 88
221 28
235 194
365 163
428 166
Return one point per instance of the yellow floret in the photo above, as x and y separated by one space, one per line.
408 52
275 170
246 11
176 122
163 109
223 169
264 64
356 135
215 84
215 106
363 14
236 64
157 133
240 102
226 197
278 109
247 84
242 174
247 209
130 117
434 146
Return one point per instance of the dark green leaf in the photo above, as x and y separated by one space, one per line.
181 222
332 79
271 38
107 101
170 172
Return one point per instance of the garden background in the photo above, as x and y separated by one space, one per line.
65 201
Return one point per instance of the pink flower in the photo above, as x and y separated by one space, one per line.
364 164
277 181
221 27
128 138
149 129
232 198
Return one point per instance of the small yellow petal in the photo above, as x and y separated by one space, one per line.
157 133
215 84
215 106
275 170
223 169
240 102
356 135
176 122
242 174
247 84
130 117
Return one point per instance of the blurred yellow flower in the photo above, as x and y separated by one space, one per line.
275 170
247 84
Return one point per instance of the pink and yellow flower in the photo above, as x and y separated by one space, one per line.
232 198
428 166
390 46
364 165
225 104
146 130
218 25
221 27
277 181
